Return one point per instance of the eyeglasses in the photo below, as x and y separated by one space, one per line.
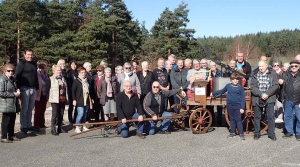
127 68
99 70
275 65
294 66
155 87
10 70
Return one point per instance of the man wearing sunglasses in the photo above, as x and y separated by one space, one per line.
154 106
291 99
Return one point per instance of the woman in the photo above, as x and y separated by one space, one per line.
107 91
134 66
42 95
146 79
72 75
8 104
130 76
58 98
118 70
97 106
81 99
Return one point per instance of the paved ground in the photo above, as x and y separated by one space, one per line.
176 149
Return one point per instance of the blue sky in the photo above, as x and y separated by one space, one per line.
224 17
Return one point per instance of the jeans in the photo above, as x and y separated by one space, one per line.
27 97
8 125
270 117
81 114
124 128
289 108
151 125
235 118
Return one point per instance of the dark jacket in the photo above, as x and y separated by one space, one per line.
145 86
178 78
296 96
271 92
247 69
217 74
161 76
126 107
7 97
26 74
150 104
102 89
77 93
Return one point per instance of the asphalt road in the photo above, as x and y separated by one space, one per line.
176 149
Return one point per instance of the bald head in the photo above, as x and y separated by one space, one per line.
263 58
297 57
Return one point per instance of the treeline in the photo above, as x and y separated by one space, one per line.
93 30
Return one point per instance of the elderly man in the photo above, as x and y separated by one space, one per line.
291 98
172 59
232 67
154 107
297 57
188 63
264 85
243 66
129 107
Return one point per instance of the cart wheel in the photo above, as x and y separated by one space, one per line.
200 120
248 122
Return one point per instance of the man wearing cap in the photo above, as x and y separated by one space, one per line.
264 84
291 97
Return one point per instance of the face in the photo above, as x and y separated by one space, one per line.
276 66
263 58
9 72
168 65
285 68
127 68
235 81
213 66
145 67
188 64
57 71
155 87
172 60
294 67
82 74
232 64
160 63
196 65
240 57
88 68
28 55
62 64
99 72
134 65
180 64
203 64
119 72
262 67
107 74
73 66
45 68
127 87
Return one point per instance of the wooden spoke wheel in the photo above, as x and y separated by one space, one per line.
248 122
200 120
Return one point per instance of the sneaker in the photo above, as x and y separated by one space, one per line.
77 129
6 141
272 138
256 136
140 136
164 132
231 135
242 137
298 137
84 128
278 120
287 135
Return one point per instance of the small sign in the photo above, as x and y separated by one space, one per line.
200 91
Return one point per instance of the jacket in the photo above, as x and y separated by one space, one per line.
77 94
247 69
296 96
7 97
127 107
102 89
178 78
26 74
54 89
135 83
148 82
43 86
271 92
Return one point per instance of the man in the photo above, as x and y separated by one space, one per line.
232 67
297 57
172 59
188 63
27 82
214 71
291 99
154 107
243 66
127 103
161 74
178 79
264 85
169 67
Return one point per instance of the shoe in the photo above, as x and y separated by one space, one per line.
278 120
60 130
34 129
24 130
14 138
140 136
54 133
163 132
231 135
43 126
272 138
6 141
242 137
256 136
298 137
77 129
287 135
84 128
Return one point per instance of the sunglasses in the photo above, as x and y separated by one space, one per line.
10 70
127 68
99 70
275 65
155 87
294 66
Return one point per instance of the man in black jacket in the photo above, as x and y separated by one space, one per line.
243 66
154 106
291 97
127 103
27 82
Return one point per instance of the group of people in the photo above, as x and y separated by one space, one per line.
133 93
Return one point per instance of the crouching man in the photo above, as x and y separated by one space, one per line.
127 103
154 106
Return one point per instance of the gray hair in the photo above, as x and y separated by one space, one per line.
275 61
86 64
287 65
60 61
202 60
187 61
103 62
107 69
168 61
126 64
144 63
196 60
118 68
171 56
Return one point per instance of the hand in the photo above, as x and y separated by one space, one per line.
124 121
241 111
74 102
200 78
93 101
280 81
154 117
139 96
264 96
140 118
16 94
167 88
181 88
192 79
211 95
183 93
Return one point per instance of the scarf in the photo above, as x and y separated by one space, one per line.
85 89
109 91
127 75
